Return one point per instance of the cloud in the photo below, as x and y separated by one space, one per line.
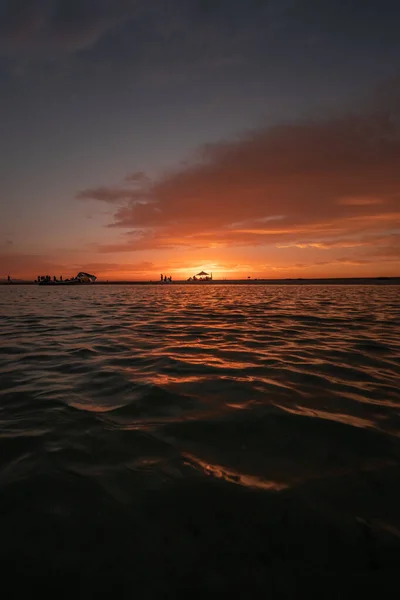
51 26
359 242
155 33
138 177
105 194
386 253
334 265
359 201
311 183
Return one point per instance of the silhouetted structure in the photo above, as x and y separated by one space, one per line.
79 279
202 276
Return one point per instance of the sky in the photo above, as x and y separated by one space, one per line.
247 138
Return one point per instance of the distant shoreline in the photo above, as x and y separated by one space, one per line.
255 281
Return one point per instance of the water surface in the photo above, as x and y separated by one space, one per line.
165 439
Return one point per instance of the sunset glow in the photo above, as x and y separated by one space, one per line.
222 160
199 298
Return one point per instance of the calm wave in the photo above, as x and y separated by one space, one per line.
157 439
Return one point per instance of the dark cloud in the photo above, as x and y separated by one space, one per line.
106 194
169 43
154 33
138 177
40 26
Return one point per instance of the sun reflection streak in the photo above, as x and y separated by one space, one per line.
232 476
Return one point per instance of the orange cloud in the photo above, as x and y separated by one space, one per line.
365 241
283 185
359 201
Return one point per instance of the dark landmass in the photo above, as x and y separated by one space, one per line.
255 281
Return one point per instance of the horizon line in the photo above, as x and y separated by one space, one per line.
213 281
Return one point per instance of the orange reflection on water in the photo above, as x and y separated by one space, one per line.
233 476
95 408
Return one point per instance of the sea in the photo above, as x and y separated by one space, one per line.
177 441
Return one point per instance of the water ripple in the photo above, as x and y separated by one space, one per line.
120 403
